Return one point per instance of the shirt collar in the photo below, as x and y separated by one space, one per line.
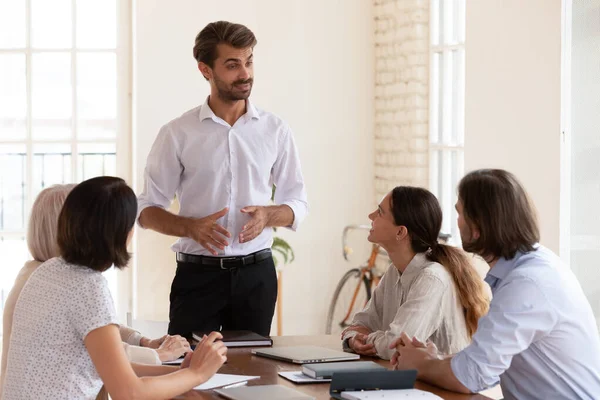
502 268
207 113
413 269
251 111
499 271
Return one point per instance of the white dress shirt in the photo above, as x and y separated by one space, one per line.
422 302
539 338
211 165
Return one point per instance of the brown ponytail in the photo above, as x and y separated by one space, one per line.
469 286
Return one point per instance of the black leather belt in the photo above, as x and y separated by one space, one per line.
225 262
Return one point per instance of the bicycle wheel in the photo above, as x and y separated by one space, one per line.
341 304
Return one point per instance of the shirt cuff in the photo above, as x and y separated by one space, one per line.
142 355
464 370
378 339
349 335
142 205
299 214
135 338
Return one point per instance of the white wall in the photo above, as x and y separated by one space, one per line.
512 98
314 67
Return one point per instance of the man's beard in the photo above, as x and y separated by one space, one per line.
228 92
466 238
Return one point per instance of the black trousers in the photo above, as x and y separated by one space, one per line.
208 298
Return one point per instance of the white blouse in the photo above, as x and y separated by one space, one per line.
422 302
58 306
130 337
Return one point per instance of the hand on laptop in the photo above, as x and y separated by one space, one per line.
209 356
360 346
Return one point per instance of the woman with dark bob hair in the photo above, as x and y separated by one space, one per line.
66 309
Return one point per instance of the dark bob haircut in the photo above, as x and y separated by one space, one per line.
95 221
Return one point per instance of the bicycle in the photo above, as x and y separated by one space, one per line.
348 298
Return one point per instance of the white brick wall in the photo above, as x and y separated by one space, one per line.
401 94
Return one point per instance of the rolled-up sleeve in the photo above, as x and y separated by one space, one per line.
130 336
141 355
287 177
418 316
519 315
162 175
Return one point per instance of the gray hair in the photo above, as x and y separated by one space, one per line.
43 222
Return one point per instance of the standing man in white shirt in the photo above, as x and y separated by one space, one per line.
221 160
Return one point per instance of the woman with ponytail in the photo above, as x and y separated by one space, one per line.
431 291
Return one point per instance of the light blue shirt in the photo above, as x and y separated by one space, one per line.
539 338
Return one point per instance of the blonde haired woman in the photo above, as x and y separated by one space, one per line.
42 244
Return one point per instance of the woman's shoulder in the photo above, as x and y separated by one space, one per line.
26 271
62 273
436 270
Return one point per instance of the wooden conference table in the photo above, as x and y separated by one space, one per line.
241 362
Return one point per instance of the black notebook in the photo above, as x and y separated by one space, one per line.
239 338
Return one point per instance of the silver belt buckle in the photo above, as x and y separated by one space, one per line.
223 259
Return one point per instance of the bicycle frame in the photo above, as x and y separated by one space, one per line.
364 270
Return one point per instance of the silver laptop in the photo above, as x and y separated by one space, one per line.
305 354
265 392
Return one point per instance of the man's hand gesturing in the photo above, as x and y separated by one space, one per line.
208 232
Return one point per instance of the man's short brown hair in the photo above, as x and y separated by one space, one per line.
496 203
95 222
235 35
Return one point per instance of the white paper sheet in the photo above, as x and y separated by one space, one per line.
299 377
400 394
222 380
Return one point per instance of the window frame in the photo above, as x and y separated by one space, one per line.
451 23
118 280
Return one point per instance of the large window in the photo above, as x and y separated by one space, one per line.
580 202
446 115
64 111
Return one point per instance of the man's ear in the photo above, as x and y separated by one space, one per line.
205 70
475 234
